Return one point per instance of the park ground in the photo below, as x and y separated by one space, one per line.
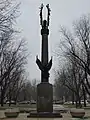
66 116
23 116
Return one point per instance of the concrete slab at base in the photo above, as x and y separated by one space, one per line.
44 115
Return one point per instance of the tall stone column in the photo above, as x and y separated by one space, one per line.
44 51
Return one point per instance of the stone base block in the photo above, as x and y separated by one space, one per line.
11 113
44 115
44 97
77 113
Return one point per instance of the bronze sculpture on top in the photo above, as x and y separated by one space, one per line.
44 65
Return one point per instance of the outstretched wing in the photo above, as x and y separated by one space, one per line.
41 18
39 64
49 65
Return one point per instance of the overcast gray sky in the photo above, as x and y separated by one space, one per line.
63 12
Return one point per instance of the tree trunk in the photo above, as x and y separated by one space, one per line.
9 100
2 99
76 104
78 101
73 98
84 95
15 99
2 96
10 97
66 98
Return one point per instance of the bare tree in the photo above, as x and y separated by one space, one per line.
28 91
12 53
13 68
71 77
77 46
16 76
61 91
15 88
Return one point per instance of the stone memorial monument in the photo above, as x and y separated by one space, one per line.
44 89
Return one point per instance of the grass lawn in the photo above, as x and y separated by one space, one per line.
69 106
74 106
6 106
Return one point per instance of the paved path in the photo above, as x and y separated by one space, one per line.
59 108
66 116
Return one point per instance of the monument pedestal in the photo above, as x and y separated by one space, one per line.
44 97
44 102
